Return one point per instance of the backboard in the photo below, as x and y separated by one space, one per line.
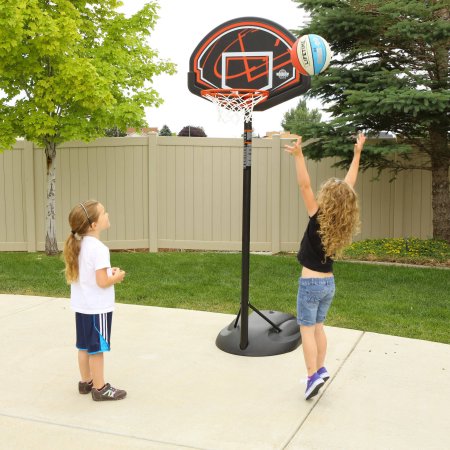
247 53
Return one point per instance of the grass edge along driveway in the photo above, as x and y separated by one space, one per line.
402 301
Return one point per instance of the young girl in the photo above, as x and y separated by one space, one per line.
333 219
91 279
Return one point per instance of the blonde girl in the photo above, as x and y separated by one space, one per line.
91 278
333 220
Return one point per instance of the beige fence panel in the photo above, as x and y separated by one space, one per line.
14 190
186 193
111 170
199 185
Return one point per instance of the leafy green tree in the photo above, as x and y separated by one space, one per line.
297 117
165 131
192 131
70 68
390 72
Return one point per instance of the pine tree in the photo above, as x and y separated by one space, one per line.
165 131
295 119
389 72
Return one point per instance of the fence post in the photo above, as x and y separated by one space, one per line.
276 193
30 211
398 205
153 193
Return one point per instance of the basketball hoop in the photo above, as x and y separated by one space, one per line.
250 60
230 101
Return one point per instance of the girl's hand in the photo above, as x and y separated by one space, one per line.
104 281
360 139
118 274
295 149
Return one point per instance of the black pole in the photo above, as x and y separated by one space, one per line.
261 334
247 177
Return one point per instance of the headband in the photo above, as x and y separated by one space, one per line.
87 215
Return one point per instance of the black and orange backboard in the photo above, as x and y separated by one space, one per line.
247 53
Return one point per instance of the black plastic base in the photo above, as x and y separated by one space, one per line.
263 339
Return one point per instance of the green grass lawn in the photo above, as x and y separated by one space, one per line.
402 301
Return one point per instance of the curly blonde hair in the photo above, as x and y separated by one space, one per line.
80 219
338 215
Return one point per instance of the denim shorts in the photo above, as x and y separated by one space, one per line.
314 299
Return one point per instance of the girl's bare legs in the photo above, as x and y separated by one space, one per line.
83 364
96 363
309 345
321 343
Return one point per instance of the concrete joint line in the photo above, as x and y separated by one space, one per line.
323 392
91 430
28 308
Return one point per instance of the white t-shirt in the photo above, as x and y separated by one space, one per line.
86 296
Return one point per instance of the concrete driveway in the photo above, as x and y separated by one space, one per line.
386 392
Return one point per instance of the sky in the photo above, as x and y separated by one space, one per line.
180 27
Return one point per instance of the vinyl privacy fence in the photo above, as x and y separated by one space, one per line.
186 193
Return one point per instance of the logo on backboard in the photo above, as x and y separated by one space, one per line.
282 74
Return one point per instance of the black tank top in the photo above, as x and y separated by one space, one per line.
311 253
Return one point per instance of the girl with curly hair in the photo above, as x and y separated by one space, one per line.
333 220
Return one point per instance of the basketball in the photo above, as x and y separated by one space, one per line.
311 54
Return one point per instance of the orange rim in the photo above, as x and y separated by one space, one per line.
243 93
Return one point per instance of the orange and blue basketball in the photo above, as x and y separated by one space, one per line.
311 54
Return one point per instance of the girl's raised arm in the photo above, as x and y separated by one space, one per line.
303 179
352 173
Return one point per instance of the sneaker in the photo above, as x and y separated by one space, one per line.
312 387
323 373
108 393
84 387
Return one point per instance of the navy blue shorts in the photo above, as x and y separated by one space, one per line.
93 332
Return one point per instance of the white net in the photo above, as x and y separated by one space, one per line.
233 105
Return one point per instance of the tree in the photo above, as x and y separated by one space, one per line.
297 117
70 68
165 131
390 72
192 131
115 132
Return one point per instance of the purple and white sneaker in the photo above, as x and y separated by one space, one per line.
323 373
313 386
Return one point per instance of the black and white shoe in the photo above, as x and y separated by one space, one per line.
108 393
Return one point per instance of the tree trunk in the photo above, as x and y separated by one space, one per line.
441 201
440 156
440 164
51 245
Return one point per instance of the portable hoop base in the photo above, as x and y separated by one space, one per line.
263 338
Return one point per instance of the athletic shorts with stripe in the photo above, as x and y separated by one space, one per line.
93 332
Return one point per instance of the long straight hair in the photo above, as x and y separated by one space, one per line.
81 217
